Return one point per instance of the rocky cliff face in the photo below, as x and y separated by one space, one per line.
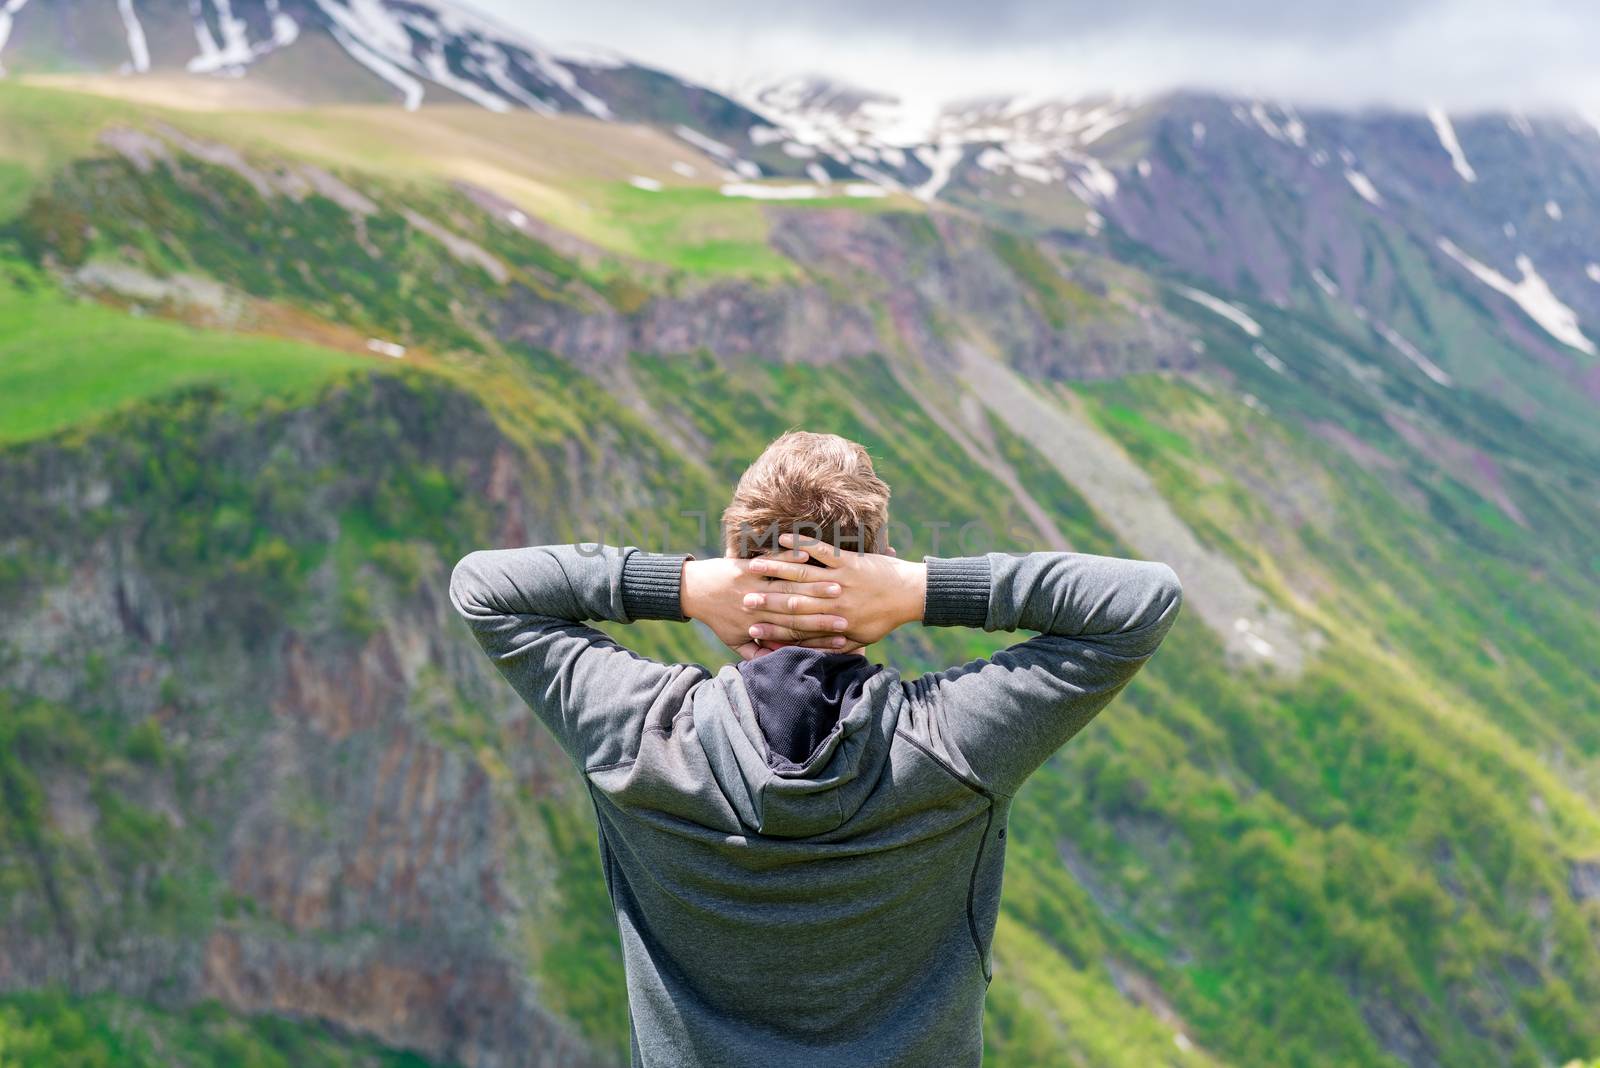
336 812
876 283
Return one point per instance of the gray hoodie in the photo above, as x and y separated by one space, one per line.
804 852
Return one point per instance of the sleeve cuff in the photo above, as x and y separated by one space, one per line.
958 592
651 585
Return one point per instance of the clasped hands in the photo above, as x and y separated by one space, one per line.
807 593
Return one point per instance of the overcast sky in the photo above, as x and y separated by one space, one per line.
1462 54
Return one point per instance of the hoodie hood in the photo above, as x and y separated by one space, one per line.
797 738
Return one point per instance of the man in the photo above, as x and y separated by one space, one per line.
804 850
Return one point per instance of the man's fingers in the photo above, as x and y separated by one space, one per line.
773 567
787 604
820 551
792 556
835 644
804 589
796 628
806 626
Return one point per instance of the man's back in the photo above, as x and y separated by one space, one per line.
804 852
812 913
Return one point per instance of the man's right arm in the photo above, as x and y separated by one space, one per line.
1099 619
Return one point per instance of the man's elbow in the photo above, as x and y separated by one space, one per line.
1163 599
466 584
1169 588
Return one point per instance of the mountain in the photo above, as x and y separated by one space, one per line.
269 370
286 52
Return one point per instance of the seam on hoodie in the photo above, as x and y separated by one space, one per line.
970 783
972 894
983 845
610 767
605 851
671 726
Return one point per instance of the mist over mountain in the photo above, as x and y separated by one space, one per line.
300 300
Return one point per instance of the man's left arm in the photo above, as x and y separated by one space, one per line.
529 608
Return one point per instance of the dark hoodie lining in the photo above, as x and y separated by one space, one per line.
799 696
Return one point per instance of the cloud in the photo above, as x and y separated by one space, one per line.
1462 54
1011 22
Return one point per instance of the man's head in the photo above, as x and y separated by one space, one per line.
818 485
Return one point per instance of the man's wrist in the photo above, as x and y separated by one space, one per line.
691 596
958 591
652 586
913 592
705 586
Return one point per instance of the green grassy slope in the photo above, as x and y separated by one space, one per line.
43 1030
1282 839
65 362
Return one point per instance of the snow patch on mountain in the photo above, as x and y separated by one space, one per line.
138 47
1363 185
1593 271
1100 127
1414 354
230 56
1532 294
1447 138
234 51
1552 209
567 82
1266 356
1095 178
1262 648
709 146
743 168
770 192
8 12
899 146
406 44
1258 112
285 30
410 88
438 69
1230 312
496 66
940 160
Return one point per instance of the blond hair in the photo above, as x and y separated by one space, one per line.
817 485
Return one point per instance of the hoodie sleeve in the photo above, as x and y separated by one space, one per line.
528 609
1099 619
